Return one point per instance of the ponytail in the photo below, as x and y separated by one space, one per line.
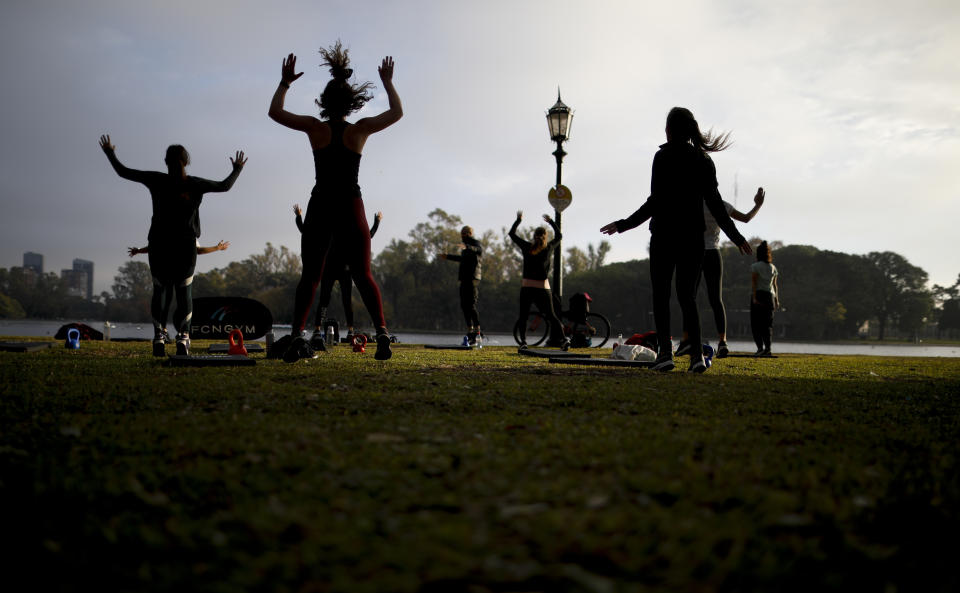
684 127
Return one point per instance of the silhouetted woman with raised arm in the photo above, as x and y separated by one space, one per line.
174 229
335 212
535 287
684 178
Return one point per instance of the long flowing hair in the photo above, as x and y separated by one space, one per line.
684 127
340 98
539 240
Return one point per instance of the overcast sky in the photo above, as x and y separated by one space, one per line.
847 113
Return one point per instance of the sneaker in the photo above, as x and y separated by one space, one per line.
565 344
317 342
472 339
759 352
299 348
722 350
383 347
159 342
766 352
183 345
684 349
663 363
523 346
697 366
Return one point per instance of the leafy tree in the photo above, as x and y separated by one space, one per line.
900 288
132 291
948 300
10 308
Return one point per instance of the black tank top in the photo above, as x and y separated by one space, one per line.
336 166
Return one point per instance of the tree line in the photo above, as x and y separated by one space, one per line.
825 294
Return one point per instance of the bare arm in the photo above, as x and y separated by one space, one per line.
132 251
220 246
288 74
776 293
372 125
757 202
376 224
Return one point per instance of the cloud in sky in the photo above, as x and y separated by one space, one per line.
845 112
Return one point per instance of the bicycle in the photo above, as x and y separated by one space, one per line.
583 329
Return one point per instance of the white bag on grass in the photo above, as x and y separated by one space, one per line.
633 352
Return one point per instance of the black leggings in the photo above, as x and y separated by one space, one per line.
713 278
543 299
468 303
686 257
172 266
335 270
761 319
345 225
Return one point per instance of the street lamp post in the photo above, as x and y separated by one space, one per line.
559 118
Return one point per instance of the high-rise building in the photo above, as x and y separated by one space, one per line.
75 281
85 267
33 261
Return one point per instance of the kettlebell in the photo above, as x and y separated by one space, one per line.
708 355
73 339
236 347
360 343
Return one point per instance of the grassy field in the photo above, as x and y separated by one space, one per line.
478 471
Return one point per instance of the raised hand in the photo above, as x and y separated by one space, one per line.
758 199
222 245
386 69
609 229
238 160
105 143
132 251
297 210
547 219
745 248
519 214
288 70
378 216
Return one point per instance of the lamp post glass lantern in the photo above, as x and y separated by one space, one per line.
559 118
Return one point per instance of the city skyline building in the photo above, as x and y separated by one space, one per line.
33 261
84 267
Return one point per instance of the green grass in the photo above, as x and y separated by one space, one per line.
478 471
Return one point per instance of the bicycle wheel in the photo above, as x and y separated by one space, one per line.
538 329
597 329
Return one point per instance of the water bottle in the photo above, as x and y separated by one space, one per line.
330 338
619 341
479 340
269 339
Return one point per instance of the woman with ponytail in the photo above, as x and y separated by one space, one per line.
335 213
684 178
535 288
764 298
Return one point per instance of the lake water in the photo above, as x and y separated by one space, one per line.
47 329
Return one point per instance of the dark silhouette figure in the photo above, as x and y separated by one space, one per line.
535 287
764 298
468 276
174 230
683 179
335 270
335 213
